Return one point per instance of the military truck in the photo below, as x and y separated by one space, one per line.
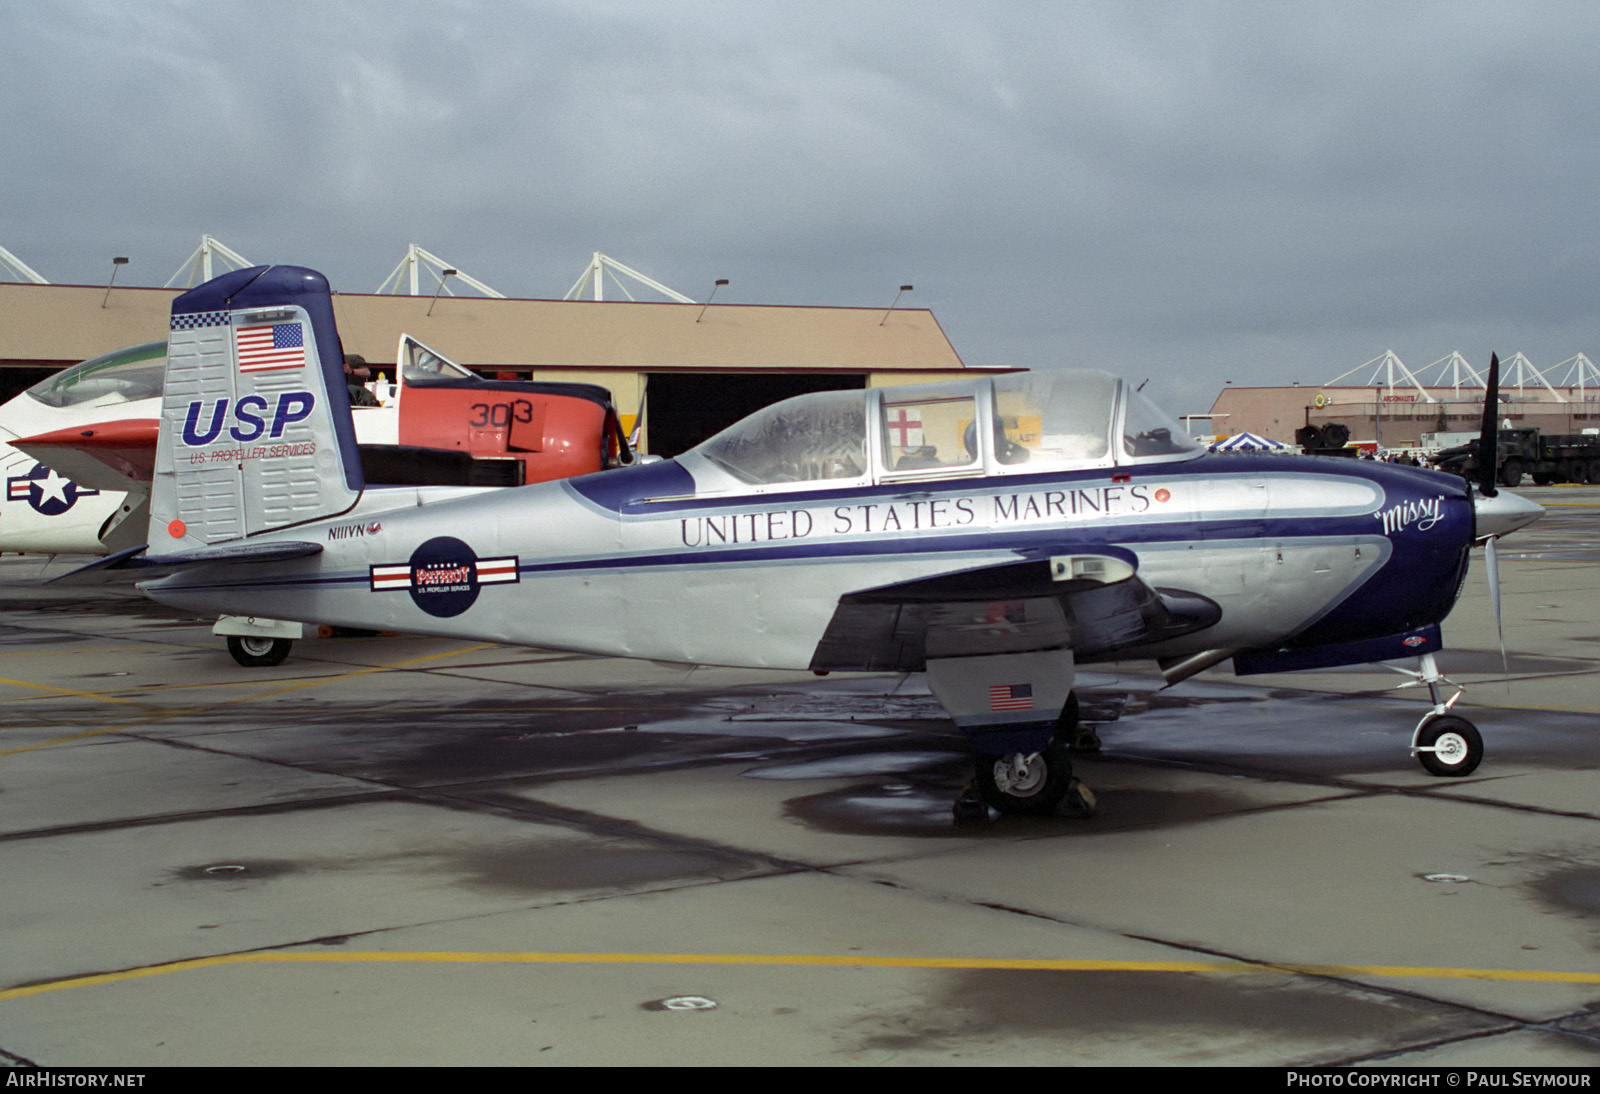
1549 458
1332 439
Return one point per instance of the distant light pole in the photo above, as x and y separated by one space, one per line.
903 290
440 289
1377 416
120 260
721 281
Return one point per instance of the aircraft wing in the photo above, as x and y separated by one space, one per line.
117 455
1088 602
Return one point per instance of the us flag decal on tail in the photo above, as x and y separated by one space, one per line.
1010 696
271 346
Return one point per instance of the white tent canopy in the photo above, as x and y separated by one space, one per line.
1249 442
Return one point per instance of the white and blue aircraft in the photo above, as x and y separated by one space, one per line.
993 532
48 511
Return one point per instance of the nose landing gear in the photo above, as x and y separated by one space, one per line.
1448 745
1444 744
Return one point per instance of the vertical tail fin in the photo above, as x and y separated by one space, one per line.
256 431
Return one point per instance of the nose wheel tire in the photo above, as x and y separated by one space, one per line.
1449 746
255 653
1031 783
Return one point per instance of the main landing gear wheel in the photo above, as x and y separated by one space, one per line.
1449 745
256 653
1032 783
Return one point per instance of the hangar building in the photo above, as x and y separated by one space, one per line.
1400 408
689 369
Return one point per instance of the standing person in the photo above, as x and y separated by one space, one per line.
356 375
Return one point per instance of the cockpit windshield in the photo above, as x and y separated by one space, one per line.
1149 431
421 364
122 376
817 436
1054 418
1014 424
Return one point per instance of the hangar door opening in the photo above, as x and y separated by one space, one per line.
684 408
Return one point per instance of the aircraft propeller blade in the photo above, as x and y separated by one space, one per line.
1489 436
1491 558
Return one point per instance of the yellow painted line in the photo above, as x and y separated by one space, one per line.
323 957
99 696
54 741
135 647
320 680
159 713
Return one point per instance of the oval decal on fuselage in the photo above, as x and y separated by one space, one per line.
444 576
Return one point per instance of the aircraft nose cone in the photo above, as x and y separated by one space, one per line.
1503 513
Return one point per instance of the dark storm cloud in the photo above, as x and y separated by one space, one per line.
1190 191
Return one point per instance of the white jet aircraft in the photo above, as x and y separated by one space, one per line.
44 510
993 532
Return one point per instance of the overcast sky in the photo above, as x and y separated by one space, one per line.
1193 192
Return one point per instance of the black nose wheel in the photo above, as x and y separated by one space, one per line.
256 653
1449 745
1444 744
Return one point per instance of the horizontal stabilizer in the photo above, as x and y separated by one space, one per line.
110 570
118 455
135 565
235 552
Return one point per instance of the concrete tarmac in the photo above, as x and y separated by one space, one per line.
393 850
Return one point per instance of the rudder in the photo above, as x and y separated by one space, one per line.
256 432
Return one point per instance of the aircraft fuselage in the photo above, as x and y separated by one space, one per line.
636 563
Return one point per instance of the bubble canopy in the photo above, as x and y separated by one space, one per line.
1017 423
122 376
